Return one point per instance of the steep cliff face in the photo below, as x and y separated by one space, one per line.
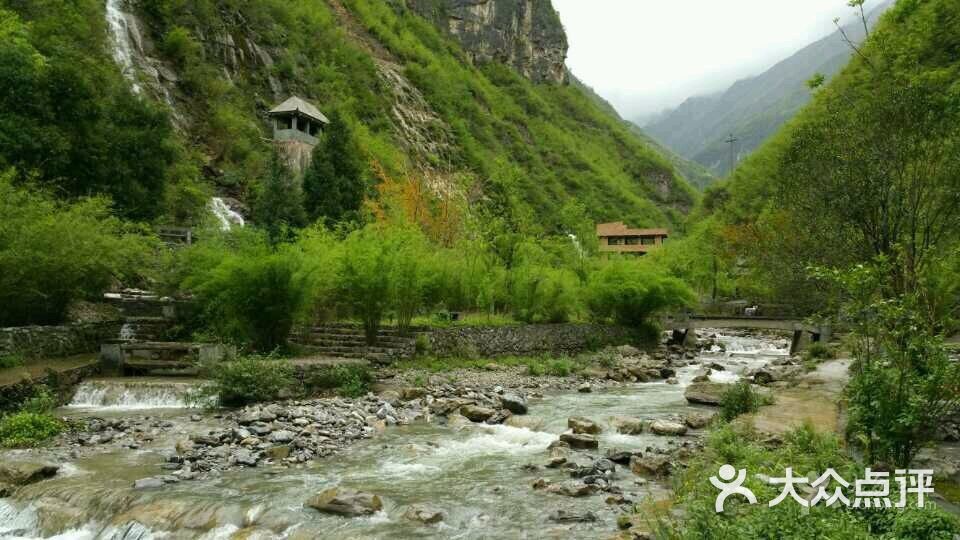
525 34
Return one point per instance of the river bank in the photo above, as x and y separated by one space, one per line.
133 473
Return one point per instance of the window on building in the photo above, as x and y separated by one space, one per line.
632 240
615 241
649 240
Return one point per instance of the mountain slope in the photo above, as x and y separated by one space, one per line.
694 173
754 108
427 107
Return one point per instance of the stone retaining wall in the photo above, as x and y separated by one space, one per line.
59 382
57 341
525 340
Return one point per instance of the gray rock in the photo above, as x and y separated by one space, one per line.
476 413
514 403
580 441
563 516
345 502
148 483
244 457
282 436
705 393
585 388
650 465
697 420
423 514
664 427
580 424
21 473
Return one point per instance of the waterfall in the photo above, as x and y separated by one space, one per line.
121 29
227 216
134 395
576 243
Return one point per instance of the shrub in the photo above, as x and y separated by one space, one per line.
250 294
628 293
54 253
11 360
540 294
348 380
26 429
250 379
739 399
41 402
819 351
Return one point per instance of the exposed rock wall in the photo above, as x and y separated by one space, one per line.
54 341
525 34
59 383
532 339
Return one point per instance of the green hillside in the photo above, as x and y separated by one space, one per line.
867 169
210 69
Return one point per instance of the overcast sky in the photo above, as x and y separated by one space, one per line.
645 55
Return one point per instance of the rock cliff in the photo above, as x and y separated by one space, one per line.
525 34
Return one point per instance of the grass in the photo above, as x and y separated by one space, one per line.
11 360
806 451
817 353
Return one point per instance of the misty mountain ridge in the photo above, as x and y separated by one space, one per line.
752 109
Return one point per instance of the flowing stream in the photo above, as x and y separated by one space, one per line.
474 474
100 395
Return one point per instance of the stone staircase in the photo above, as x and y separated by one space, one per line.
345 340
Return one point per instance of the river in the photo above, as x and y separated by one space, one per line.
475 474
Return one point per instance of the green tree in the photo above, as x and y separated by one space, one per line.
334 184
52 253
629 292
279 203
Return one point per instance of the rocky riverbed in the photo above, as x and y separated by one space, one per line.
489 452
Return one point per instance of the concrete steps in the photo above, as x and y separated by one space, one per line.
344 340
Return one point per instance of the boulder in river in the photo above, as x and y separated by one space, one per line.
585 388
664 427
514 403
148 483
697 420
580 441
476 413
21 473
345 502
564 516
580 424
650 465
423 514
628 425
706 393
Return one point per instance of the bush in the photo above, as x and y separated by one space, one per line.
11 360
250 294
628 293
741 398
251 379
27 429
819 351
540 294
347 380
54 253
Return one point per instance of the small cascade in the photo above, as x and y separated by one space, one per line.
128 332
226 215
733 345
132 394
123 45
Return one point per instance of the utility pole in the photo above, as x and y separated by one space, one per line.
732 141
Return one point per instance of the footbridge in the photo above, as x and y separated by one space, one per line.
685 326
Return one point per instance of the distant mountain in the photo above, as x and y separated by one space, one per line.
754 108
694 173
